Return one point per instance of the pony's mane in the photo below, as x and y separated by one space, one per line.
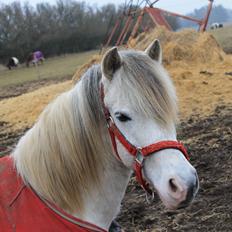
64 154
147 86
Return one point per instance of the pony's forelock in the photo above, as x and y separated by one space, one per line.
148 87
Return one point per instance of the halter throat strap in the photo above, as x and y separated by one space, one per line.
139 153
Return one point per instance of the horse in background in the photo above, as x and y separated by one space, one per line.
35 58
12 62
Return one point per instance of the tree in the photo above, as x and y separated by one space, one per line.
219 14
66 27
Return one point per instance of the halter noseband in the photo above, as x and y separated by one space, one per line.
139 153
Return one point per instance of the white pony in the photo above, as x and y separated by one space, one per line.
120 117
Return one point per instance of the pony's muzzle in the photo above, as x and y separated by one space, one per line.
183 194
191 193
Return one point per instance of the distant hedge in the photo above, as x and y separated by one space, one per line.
66 27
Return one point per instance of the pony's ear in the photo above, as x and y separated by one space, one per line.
111 62
154 51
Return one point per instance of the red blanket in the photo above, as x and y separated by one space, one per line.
22 210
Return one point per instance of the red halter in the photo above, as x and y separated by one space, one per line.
138 153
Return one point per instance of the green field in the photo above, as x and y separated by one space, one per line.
224 37
57 67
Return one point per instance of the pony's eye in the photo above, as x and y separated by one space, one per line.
122 117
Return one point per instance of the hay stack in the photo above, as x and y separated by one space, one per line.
186 45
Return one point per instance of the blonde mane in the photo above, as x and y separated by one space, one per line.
64 154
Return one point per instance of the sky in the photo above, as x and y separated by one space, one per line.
179 6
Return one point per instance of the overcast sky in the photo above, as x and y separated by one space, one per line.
181 6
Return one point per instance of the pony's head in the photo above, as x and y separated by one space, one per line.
66 157
141 101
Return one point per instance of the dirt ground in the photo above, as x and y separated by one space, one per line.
17 90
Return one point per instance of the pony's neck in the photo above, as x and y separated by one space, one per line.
103 203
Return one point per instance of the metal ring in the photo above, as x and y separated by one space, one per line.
139 156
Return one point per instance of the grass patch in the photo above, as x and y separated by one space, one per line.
57 67
224 37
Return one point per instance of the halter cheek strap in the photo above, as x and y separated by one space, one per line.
138 153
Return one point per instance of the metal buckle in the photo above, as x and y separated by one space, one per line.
139 156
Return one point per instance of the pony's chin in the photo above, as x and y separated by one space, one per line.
170 203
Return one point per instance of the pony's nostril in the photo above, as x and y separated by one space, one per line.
173 185
177 190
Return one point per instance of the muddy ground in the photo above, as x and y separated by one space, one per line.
209 144
17 90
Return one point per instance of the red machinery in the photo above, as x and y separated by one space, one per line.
157 16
